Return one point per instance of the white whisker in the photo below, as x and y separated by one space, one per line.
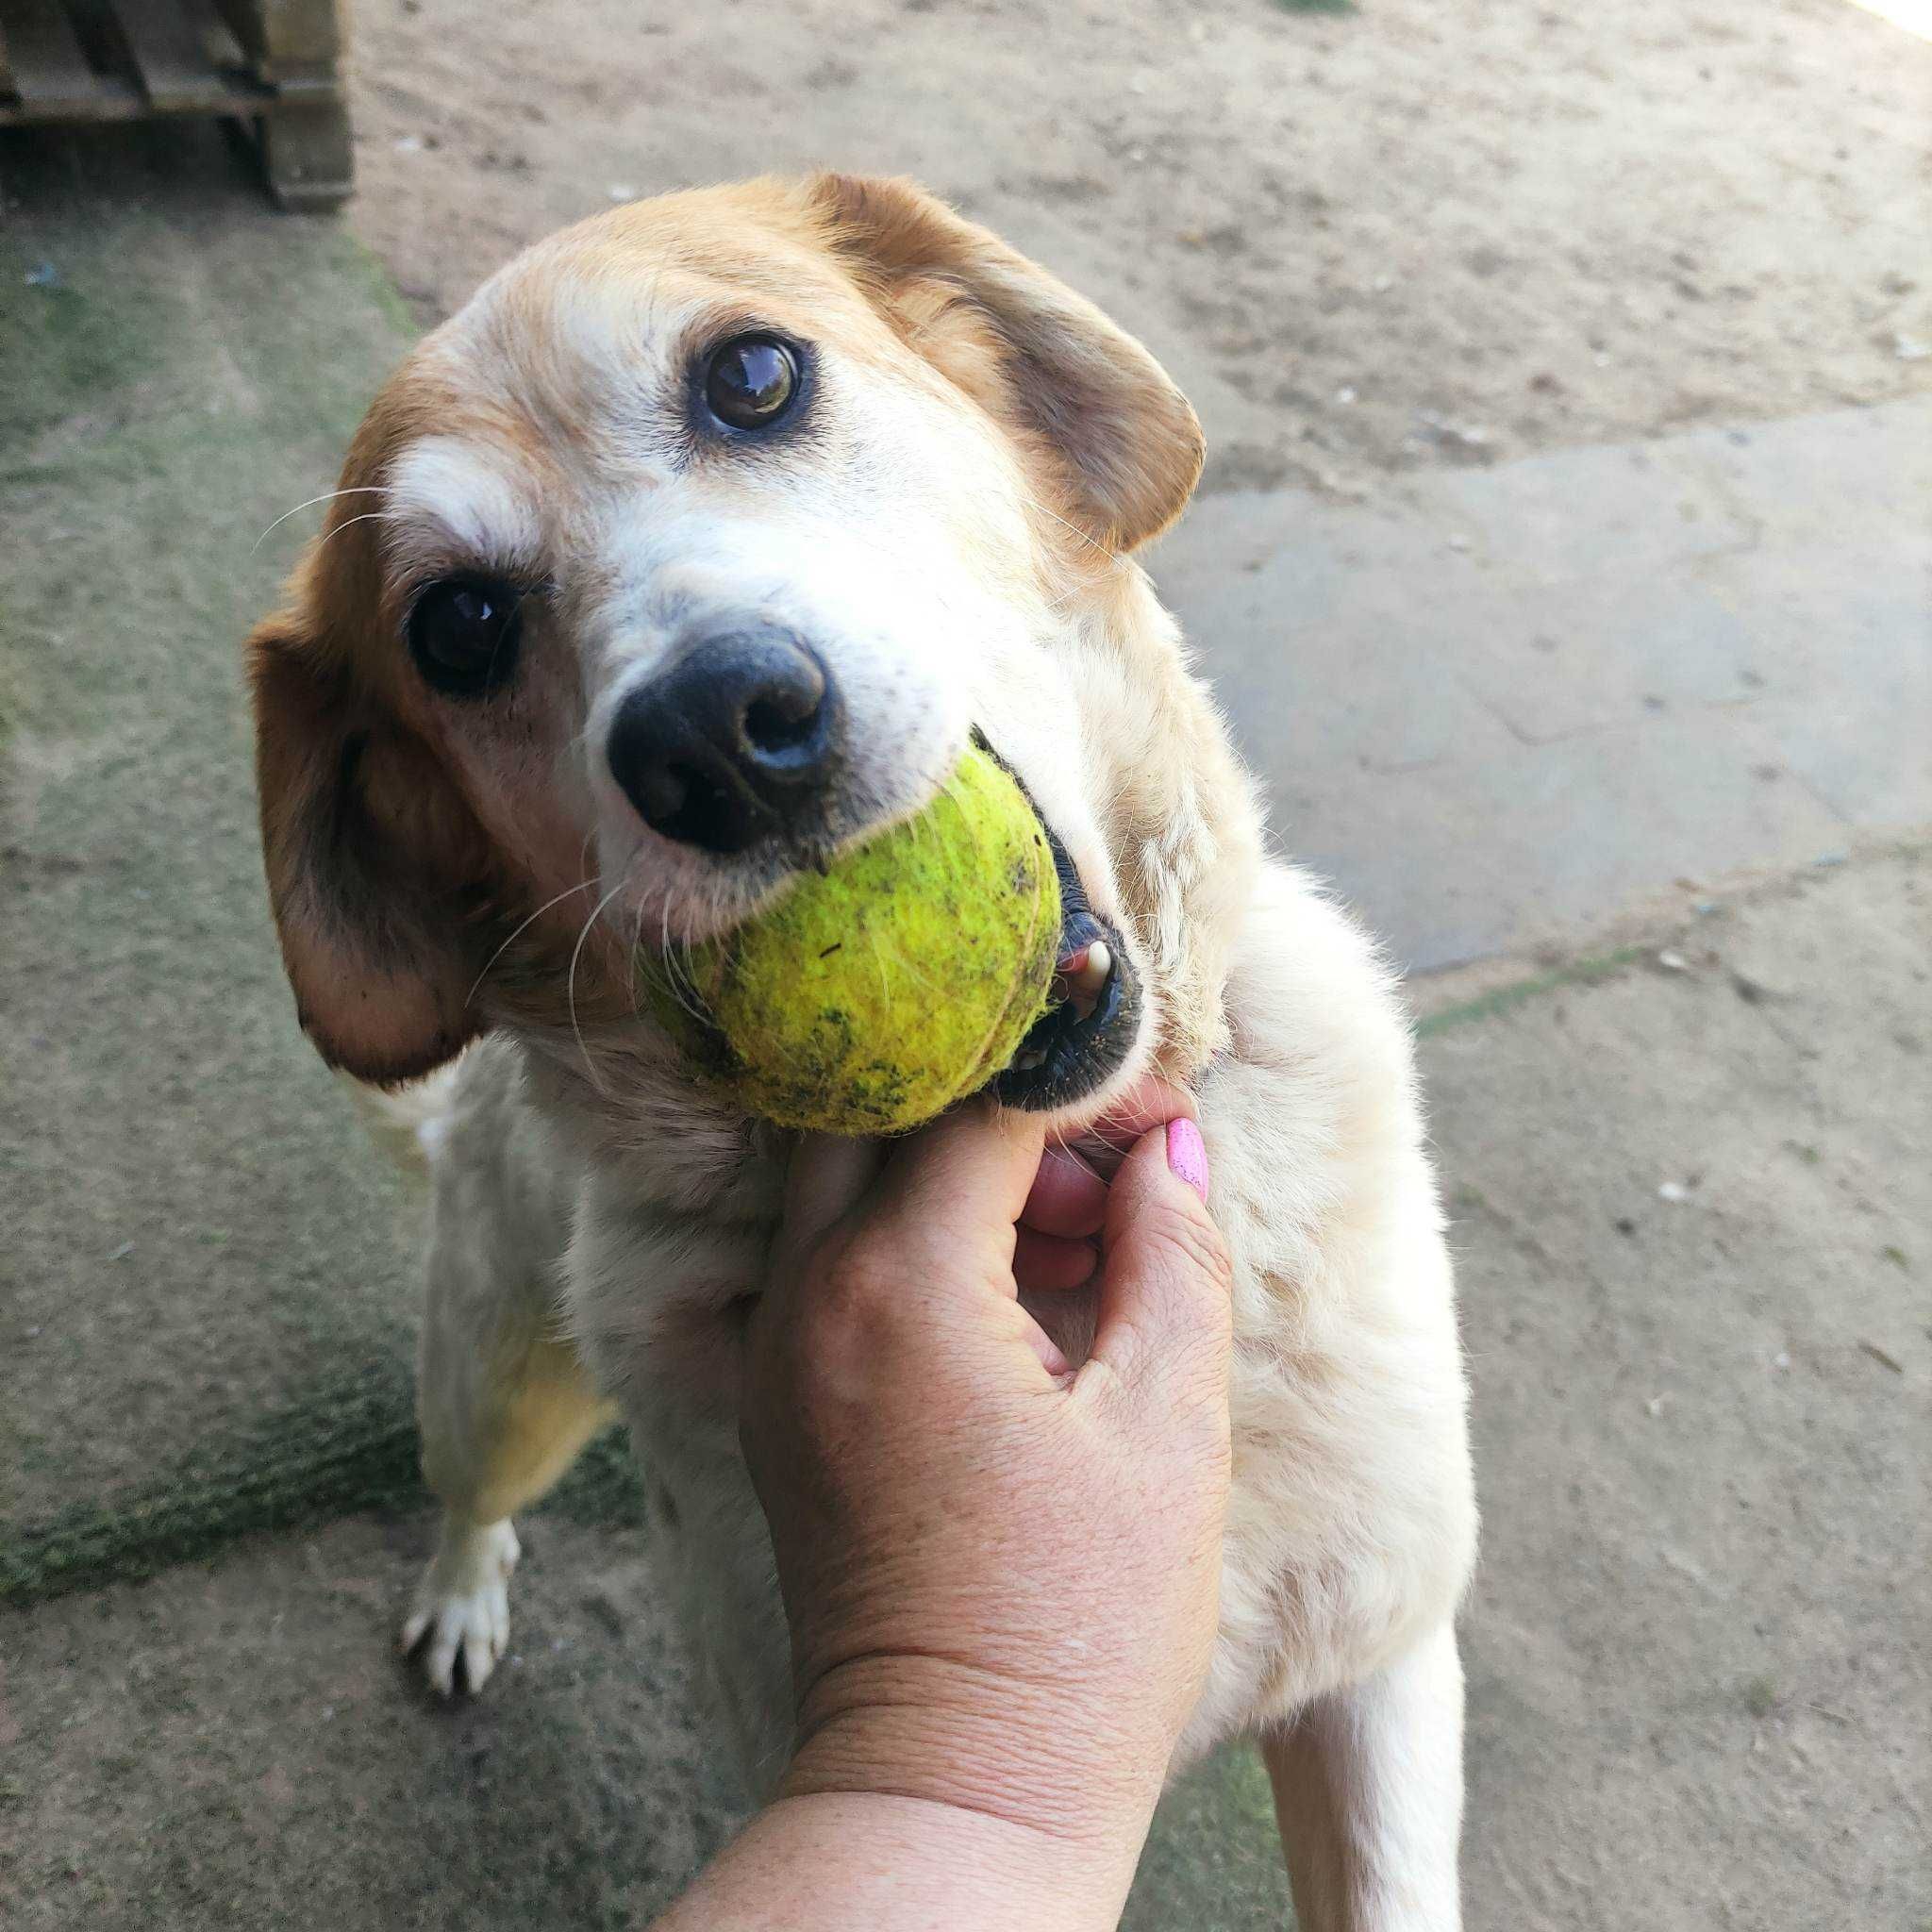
636 946
582 886
685 996
1059 1135
571 986
326 496
1092 542
368 516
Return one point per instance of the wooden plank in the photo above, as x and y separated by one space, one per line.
244 23
170 50
286 40
50 73
301 32
308 154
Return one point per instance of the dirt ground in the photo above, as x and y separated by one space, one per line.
1422 232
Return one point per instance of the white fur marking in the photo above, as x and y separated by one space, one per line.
448 494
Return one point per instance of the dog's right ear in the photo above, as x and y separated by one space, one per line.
377 871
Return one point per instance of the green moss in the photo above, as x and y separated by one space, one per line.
1213 1863
1504 999
345 1447
199 1241
361 265
91 340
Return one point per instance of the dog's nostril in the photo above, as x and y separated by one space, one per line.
779 727
660 791
737 742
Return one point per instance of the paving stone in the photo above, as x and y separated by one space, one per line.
1498 704
1844 478
1553 838
1554 661
197 1230
1554 519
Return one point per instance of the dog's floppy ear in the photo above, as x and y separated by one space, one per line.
376 869
1126 446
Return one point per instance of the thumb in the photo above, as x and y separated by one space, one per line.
1165 1279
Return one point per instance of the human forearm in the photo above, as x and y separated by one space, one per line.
828 1860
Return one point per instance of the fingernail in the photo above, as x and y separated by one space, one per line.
1187 1154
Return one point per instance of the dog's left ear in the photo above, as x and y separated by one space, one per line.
1122 443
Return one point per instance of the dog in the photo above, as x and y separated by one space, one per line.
696 547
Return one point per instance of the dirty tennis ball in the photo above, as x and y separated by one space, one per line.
870 997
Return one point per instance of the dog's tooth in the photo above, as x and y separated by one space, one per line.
1090 980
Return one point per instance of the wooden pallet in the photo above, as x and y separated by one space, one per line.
270 63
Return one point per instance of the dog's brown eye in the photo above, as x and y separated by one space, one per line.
751 382
463 633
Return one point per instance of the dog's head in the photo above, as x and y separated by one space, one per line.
697 546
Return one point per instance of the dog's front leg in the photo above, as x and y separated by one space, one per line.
1368 1790
503 1403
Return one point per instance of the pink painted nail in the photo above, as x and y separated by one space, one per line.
1187 1154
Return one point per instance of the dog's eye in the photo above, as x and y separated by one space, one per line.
463 633
751 381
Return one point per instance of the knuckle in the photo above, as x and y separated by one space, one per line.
853 1303
846 1293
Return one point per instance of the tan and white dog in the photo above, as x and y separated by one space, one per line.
696 546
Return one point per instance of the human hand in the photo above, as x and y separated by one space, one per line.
1001 1572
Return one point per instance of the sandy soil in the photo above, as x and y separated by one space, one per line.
1429 231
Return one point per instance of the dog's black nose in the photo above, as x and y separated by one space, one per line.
738 740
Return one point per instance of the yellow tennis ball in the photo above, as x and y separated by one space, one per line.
869 999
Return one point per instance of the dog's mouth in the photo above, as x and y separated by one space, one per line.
1084 1038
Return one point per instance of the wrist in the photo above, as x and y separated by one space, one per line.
934 1732
978 1869
847 1860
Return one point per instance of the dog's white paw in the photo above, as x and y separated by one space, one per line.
462 1605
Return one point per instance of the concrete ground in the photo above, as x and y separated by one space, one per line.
1631 664
1502 704
1690 1212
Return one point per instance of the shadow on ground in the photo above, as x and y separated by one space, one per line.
197 1235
